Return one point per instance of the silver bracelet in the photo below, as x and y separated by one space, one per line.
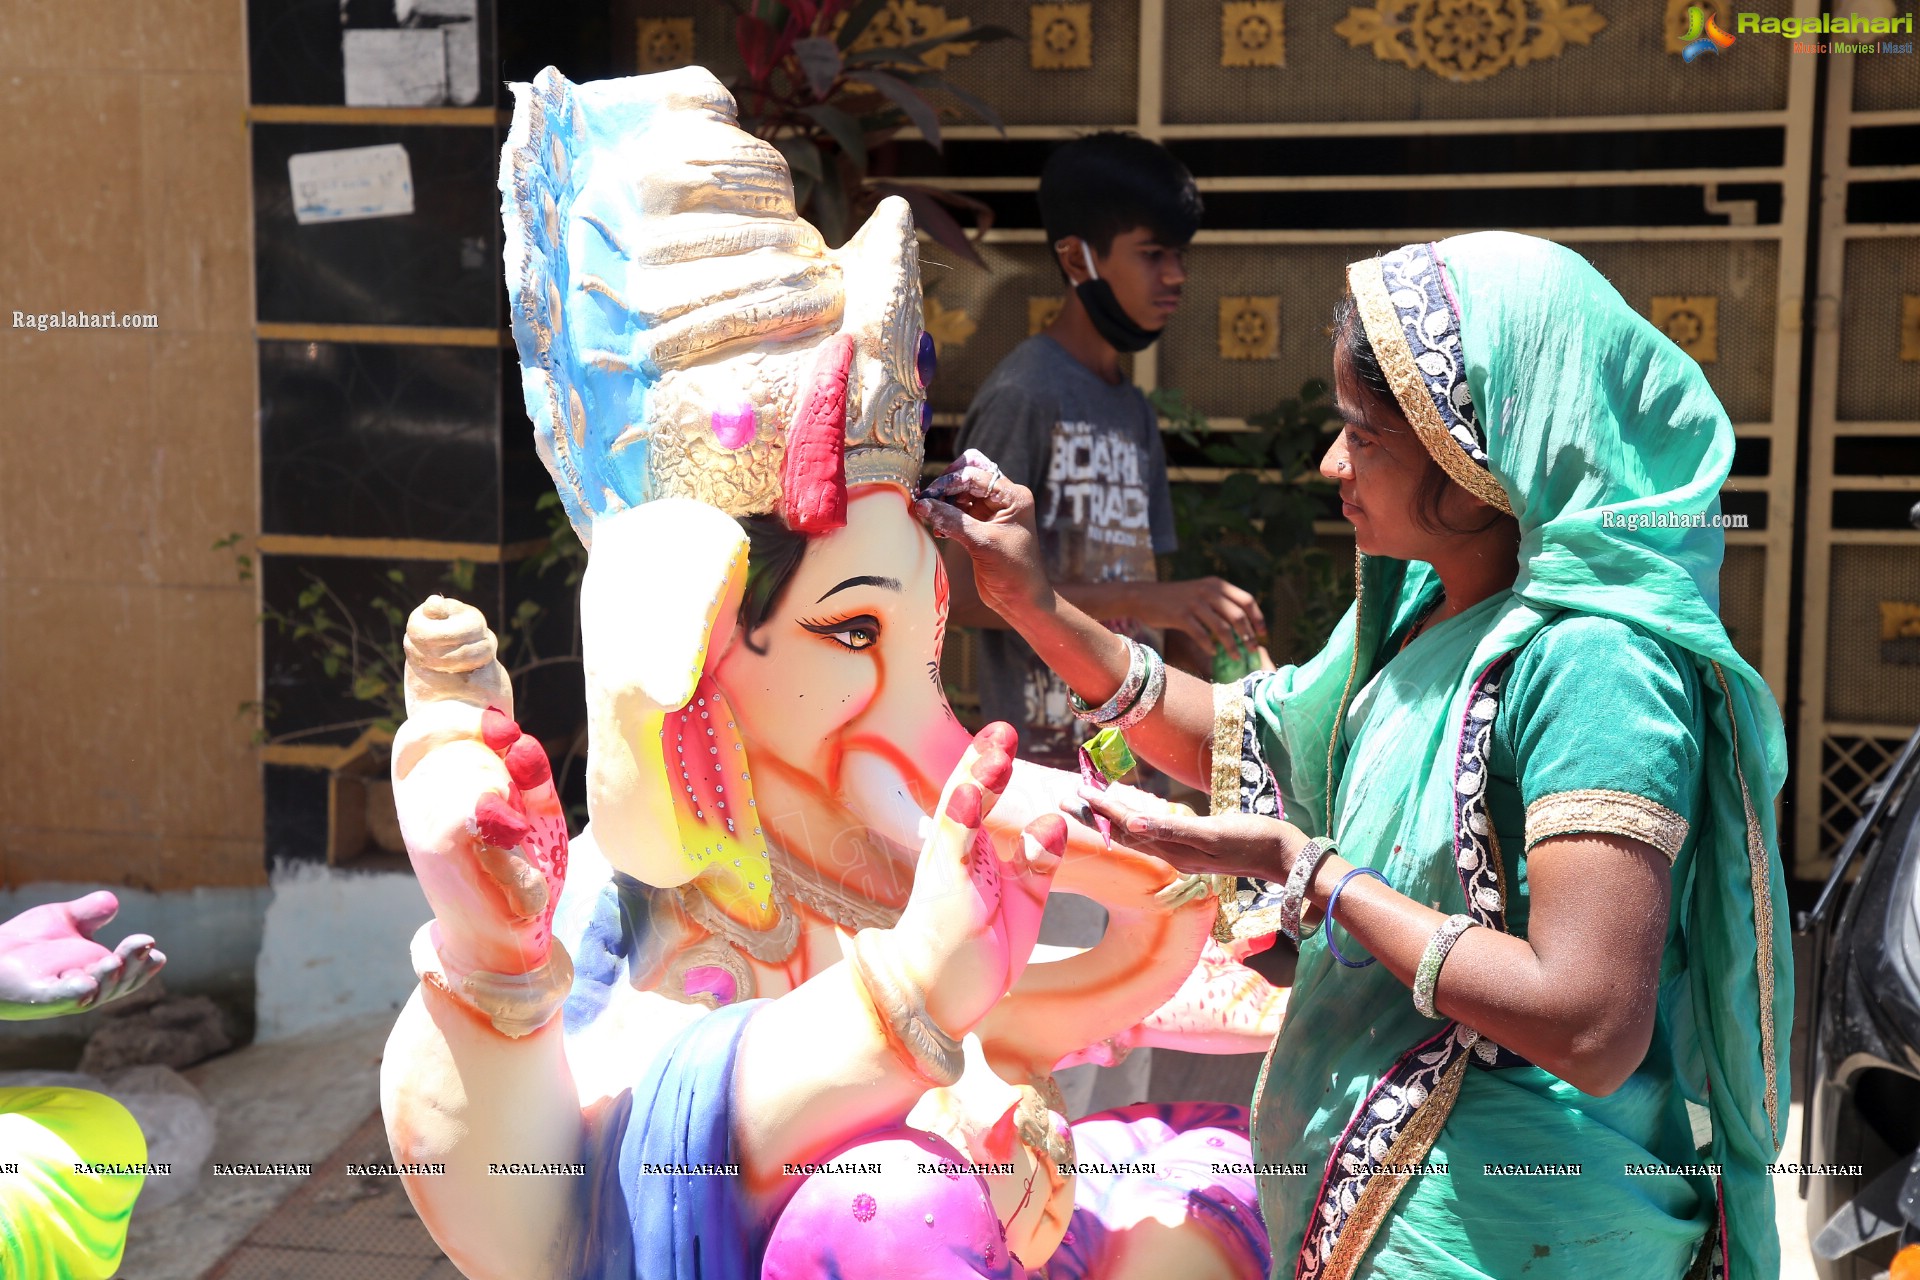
1111 710
1427 976
1293 899
1156 684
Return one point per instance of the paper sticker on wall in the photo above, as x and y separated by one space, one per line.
428 56
357 182
1910 327
1253 33
1062 37
665 43
1041 312
1250 328
1692 323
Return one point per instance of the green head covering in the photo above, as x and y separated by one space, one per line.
1542 392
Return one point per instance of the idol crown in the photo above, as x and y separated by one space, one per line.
676 319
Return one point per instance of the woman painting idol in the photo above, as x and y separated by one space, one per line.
1541 1019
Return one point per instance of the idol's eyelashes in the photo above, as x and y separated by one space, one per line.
862 631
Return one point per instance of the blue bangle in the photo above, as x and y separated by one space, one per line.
1333 898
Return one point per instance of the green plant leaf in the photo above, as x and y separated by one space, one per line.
369 688
843 129
310 594
330 665
904 96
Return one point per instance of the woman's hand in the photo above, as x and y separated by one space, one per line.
973 505
1234 844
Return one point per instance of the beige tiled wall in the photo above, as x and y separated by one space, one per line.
126 643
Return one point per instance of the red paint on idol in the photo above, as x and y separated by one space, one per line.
1050 829
527 763
992 769
499 824
964 806
497 729
813 476
999 734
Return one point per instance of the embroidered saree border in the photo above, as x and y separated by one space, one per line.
1229 726
1410 1148
1619 813
1762 913
1387 327
1409 1105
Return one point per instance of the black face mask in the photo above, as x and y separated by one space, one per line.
1110 319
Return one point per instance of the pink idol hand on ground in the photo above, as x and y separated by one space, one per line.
50 965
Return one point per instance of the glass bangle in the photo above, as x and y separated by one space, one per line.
1427 977
1155 685
1123 697
1334 898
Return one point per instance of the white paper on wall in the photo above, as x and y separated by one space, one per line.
357 182
395 67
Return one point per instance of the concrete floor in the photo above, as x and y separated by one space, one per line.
315 1099
285 1102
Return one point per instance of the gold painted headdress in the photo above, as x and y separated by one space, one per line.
678 322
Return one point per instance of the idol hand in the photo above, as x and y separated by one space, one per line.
50 965
972 918
475 799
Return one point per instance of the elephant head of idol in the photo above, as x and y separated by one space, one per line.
734 416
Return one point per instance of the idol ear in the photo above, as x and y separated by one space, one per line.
662 588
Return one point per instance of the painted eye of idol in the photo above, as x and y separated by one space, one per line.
856 633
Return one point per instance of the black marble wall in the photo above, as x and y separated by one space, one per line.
379 448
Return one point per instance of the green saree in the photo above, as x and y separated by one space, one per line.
1600 694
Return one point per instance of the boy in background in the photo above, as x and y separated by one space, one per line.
1060 416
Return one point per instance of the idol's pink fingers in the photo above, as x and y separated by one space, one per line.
1026 883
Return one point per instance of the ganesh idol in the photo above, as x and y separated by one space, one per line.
778 1011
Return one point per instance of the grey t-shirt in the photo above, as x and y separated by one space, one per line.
1092 454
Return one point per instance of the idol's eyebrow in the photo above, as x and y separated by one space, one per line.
865 580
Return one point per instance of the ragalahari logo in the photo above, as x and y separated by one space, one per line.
1703 34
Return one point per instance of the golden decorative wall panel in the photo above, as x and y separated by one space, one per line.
1042 312
1450 60
1253 33
1250 328
949 327
1469 40
905 22
665 43
1693 323
1061 37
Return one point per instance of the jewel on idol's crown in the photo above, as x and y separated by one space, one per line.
682 331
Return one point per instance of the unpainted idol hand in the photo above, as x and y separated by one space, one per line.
50 965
